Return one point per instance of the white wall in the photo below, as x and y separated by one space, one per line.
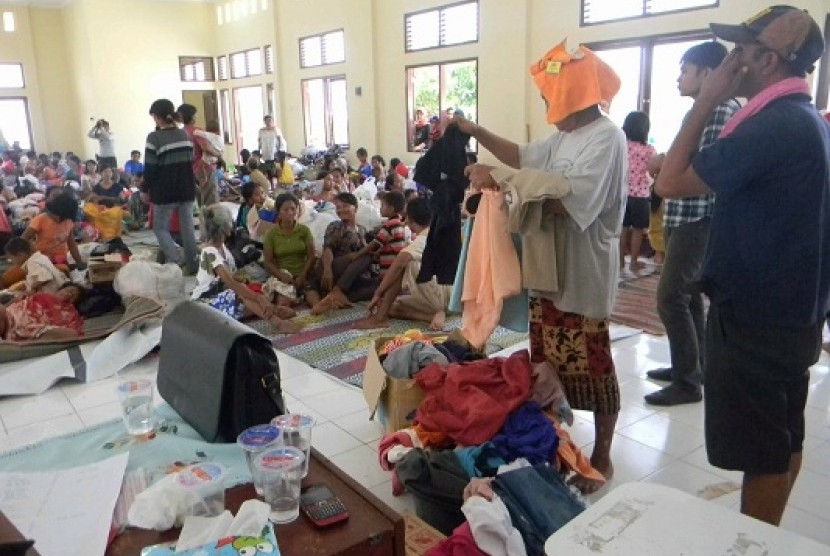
112 58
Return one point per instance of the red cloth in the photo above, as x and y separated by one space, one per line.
460 543
28 318
471 401
402 169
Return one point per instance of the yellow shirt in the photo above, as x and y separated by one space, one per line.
108 221
287 175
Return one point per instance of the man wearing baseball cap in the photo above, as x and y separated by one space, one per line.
767 265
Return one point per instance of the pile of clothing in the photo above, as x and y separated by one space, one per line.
477 417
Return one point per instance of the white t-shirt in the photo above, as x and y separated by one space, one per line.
271 141
42 275
594 159
209 260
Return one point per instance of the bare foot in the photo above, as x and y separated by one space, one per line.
589 486
284 312
284 326
370 322
334 300
438 321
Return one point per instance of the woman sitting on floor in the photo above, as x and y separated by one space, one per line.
340 274
216 285
43 316
289 254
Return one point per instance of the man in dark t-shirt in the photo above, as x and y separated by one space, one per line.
767 265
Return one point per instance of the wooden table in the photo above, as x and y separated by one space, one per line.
373 528
10 534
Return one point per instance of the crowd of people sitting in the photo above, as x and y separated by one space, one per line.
324 235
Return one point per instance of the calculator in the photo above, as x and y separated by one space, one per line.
322 506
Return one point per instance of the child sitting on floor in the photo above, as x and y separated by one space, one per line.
390 239
41 274
53 231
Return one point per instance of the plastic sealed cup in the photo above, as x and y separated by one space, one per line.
255 440
296 431
281 471
136 397
202 488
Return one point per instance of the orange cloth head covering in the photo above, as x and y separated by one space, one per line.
572 79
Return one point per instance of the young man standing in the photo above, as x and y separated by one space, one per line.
687 221
767 264
270 140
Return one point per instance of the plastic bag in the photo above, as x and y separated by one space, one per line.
161 282
368 215
317 222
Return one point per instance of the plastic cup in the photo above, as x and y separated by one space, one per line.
296 431
136 397
281 470
255 440
202 489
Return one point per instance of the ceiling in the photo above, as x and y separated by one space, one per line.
61 3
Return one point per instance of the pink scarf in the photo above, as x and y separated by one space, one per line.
785 87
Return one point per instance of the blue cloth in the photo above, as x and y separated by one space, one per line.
175 443
479 461
528 434
539 503
514 313
226 302
769 241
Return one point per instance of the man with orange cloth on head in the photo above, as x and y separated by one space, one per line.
573 185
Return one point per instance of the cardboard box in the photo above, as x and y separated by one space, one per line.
103 271
394 400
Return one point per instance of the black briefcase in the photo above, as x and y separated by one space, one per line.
220 375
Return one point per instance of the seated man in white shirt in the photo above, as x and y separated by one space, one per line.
425 301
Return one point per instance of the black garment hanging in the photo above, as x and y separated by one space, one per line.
441 170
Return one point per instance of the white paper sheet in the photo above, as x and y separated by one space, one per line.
66 512
100 359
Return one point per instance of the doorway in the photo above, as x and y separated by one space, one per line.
248 113
206 103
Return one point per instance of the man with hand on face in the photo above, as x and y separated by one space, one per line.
766 269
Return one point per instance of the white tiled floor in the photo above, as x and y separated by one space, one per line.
660 445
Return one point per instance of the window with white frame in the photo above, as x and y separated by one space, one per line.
438 90
11 76
324 49
246 63
325 111
222 67
445 26
196 68
8 22
269 58
225 115
601 11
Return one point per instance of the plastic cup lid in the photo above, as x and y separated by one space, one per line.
280 459
258 436
293 421
201 474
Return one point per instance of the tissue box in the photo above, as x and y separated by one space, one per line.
265 545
